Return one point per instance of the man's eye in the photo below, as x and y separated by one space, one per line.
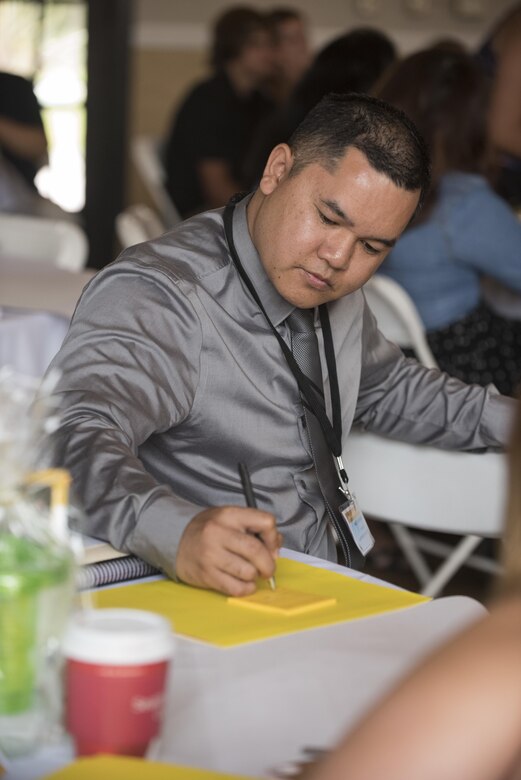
325 219
370 249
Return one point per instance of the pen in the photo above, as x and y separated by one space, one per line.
250 500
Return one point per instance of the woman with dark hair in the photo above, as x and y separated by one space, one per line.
465 231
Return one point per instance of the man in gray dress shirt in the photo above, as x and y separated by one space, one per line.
171 374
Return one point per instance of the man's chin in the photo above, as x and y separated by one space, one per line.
309 300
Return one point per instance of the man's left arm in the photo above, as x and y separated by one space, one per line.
401 399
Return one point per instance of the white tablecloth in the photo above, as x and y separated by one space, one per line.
31 285
36 304
250 708
29 340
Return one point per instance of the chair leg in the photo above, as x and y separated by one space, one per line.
446 571
442 550
405 540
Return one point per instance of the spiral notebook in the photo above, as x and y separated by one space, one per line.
102 564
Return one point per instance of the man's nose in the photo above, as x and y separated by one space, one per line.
337 250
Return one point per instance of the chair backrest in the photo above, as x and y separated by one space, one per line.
425 487
397 316
146 158
136 224
56 242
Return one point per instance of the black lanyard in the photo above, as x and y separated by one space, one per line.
314 399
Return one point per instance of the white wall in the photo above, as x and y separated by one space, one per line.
184 24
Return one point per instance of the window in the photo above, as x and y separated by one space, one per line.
47 42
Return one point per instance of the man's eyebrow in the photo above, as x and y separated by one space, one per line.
335 208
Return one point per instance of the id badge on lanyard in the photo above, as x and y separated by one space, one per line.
352 514
357 524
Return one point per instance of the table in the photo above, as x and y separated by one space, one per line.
36 304
30 339
28 284
248 709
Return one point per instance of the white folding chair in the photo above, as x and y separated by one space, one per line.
146 158
408 486
422 487
398 317
56 242
136 224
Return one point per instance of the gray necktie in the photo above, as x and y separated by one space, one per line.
304 345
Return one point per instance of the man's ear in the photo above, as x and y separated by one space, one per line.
277 168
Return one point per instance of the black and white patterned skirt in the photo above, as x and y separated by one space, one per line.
481 348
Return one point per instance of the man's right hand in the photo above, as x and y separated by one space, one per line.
218 549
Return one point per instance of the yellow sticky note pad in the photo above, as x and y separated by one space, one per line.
210 617
282 601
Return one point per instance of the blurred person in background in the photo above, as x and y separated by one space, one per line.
500 56
291 51
457 716
23 150
22 135
213 127
350 63
466 230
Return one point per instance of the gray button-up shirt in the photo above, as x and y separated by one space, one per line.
171 376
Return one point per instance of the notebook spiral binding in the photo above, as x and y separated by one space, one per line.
93 575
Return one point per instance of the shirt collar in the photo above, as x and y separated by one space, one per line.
277 307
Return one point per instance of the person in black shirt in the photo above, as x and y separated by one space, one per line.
22 137
214 126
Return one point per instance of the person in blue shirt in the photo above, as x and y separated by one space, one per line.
466 231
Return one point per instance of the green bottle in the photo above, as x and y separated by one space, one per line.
36 592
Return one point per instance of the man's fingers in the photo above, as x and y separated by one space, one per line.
253 551
272 540
237 566
254 521
227 548
230 586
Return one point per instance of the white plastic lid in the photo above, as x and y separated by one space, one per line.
124 637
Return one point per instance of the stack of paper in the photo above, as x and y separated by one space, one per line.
212 617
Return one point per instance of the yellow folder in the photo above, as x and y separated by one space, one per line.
208 616
125 768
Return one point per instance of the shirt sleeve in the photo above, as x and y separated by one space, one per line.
402 399
484 233
205 121
126 375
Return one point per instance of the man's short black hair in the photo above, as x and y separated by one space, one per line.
383 133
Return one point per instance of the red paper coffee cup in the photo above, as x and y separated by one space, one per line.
115 679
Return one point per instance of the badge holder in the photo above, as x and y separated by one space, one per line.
352 514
